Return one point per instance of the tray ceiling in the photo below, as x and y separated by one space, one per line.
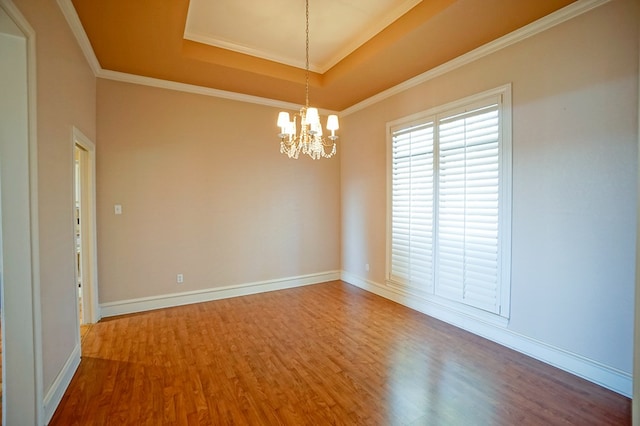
275 30
257 48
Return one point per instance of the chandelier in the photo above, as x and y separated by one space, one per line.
308 138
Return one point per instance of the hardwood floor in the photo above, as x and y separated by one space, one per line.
322 354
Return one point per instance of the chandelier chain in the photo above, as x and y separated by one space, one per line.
306 89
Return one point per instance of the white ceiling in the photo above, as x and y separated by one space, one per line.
275 29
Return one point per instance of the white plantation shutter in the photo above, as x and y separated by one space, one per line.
449 203
468 214
412 207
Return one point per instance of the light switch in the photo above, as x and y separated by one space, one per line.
117 209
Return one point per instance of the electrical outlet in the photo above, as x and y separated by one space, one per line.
180 278
366 267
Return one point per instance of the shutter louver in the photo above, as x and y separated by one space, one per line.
449 193
468 189
412 207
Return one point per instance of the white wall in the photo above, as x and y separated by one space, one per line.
574 181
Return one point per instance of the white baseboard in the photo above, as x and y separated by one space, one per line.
60 384
610 378
177 299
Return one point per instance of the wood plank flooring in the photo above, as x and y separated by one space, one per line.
316 355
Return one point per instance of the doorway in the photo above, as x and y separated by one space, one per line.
85 229
21 333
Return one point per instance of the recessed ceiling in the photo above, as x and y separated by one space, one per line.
256 46
275 29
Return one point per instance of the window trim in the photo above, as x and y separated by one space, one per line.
505 207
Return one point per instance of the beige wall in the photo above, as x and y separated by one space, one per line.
575 102
206 193
65 98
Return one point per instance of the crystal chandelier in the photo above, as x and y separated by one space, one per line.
308 138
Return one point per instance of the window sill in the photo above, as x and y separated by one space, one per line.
444 309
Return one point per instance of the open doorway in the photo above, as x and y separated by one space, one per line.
21 334
85 230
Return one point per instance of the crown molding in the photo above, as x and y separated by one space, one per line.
201 90
192 88
77 29
321 65
542 24
246 50
367 34
536 27
70 14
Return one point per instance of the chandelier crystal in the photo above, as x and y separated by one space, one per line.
307 138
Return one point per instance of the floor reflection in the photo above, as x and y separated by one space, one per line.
428 385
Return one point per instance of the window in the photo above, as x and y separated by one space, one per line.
449 221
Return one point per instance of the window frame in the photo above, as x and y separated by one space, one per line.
502 94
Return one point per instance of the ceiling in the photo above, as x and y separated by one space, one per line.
257 47
338 27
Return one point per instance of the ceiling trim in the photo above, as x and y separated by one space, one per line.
542 24
389 19
73 20
201 90
320 66
223 44
70 14
536 27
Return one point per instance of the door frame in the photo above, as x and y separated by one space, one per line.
22 349
635 401
91 308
